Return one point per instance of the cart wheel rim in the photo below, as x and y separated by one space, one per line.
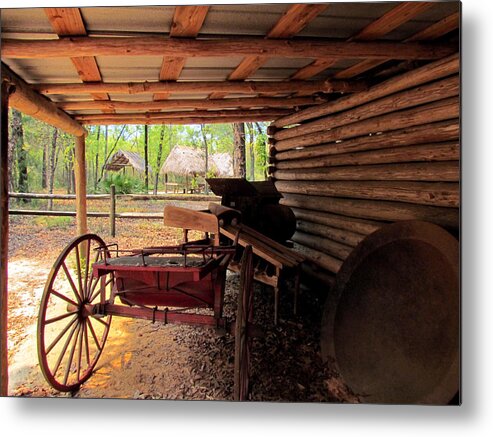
244 317
71 336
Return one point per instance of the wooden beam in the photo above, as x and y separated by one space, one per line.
374 209
6 89
31 103
122 119
445 109
254 102
419 95
426 133
232 87
261 113
394 18
80 184
292 22
435 70
159 46
187 22
436 30
68 22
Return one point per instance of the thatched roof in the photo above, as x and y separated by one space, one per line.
184 160
125 158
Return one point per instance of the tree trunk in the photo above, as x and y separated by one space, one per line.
146 158
239 159
44 174
252 151
206 157
18 142
159 157
96 160
52 167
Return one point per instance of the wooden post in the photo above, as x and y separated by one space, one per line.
112 211
4 235
80 184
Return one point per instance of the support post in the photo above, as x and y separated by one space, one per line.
112 211
80 184
6 89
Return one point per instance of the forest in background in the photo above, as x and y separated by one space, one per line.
41 157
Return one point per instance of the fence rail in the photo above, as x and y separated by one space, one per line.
112 215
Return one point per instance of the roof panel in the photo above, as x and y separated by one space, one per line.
128 19
130 68
52 70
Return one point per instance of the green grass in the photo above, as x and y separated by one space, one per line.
53 222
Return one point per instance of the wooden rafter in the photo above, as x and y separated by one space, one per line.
436 30
394 18
68 22
292 22
159 46
254 102
244 87
187 22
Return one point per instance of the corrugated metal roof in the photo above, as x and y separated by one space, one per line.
338 21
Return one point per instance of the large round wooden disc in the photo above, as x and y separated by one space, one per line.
393 324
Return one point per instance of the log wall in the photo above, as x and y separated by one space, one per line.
349 166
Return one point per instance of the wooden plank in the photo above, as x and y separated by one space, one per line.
322 244
31 103
187 21
436 30
159 46
433 71
292 22
321 259
339 235
68 22
394 18
189 219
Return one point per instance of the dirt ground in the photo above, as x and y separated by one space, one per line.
142 360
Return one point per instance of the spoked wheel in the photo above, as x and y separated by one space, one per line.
244 317
70 336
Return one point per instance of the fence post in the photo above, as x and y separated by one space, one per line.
112 210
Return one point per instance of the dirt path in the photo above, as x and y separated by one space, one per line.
150 361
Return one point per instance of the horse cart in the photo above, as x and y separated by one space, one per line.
183 284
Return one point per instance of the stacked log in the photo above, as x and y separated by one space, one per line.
390 153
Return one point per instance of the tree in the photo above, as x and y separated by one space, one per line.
206 148
239 161
146 159
17 135
159 156
251 150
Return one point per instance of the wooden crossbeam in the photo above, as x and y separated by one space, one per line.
394 18
182 114
187 21
236 87
292 22
28 101
159 46
254 102
436 30
68 22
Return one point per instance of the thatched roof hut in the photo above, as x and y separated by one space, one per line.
125 158
186 161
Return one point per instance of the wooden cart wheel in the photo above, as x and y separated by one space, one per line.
244 316
70 337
